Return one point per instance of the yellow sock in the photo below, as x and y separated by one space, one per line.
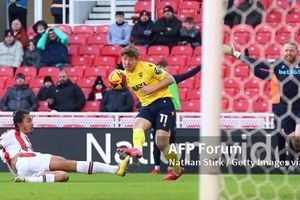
138 138
172 156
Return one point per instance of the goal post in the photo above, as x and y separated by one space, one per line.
211 92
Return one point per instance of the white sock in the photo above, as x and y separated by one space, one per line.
49 178
157 167
95 167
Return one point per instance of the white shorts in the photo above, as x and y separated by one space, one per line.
34 165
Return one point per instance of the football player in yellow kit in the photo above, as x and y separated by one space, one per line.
150 84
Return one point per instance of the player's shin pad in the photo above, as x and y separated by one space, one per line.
138 138
172 158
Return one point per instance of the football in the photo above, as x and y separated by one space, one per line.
117 79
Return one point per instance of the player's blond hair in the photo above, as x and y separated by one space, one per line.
130 51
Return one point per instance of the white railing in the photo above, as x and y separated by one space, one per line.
124 120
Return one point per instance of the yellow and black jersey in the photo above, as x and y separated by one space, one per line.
147 74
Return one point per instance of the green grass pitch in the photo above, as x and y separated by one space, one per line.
148 187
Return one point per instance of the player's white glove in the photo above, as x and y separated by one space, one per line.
229 50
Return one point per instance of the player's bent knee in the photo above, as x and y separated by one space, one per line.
61 177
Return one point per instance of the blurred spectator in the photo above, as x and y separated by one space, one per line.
98 90
20 96
32 56
17 9
11 50
57 11
39 28
119 32
141 31
20 33
249 12
67 97
47 90
54 50
189 34
117 101
166 30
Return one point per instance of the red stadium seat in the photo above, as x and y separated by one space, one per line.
102 29
77 39
84 30
100 40
189 7
252 88
152 59
6 72
194 95
91 106
111 51
173 70
283 34
297 35
266 3
86 92
162 51
293 16
104 61
10 83
73 49
96 71
261 105
188 83
193 61
142 5
43 106
255 50
272 51
86 83
64 28
185 51
190 106
231 87
176 61
283 4
75 72
225 105
274 17
241 70
48 71
183 94
242 34
198 51
142 50
241 105
264 34
81 61
27 71
36 83
2 84
90 50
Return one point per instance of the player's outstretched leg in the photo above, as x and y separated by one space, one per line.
123 166
48 177
139 125
162 142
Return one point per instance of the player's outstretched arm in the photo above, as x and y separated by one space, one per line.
261 69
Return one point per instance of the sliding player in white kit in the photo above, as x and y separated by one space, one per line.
29 166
